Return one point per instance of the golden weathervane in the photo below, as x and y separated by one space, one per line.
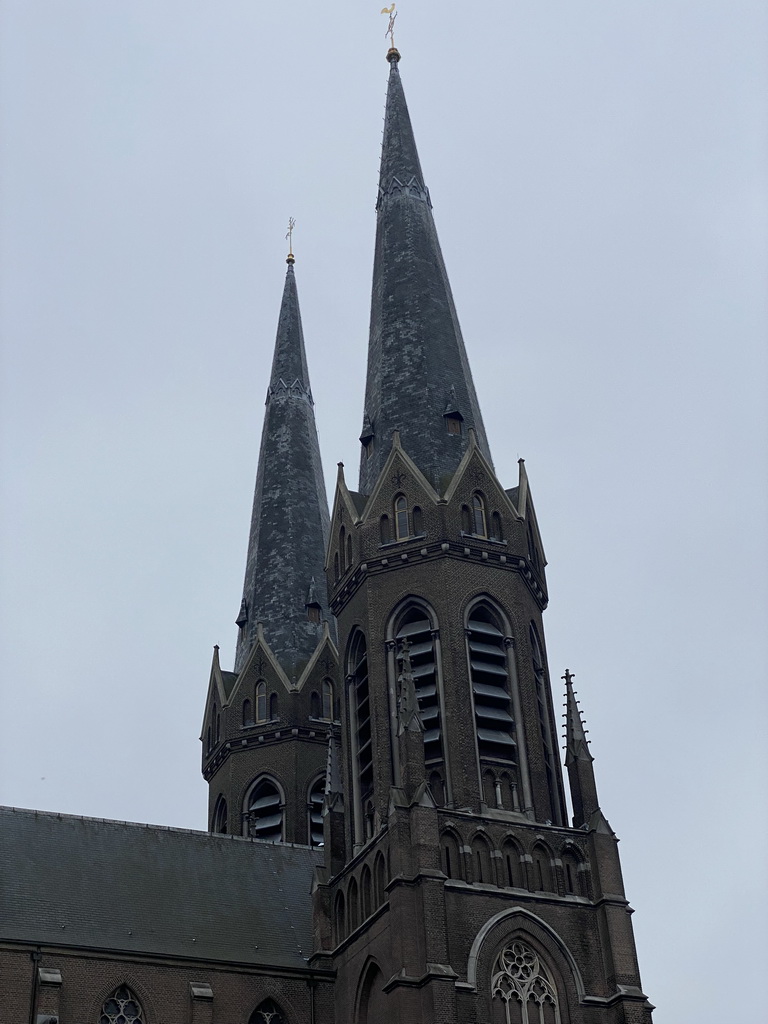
391 27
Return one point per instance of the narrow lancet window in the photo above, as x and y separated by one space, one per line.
327 700
261 701
478 516
401 518
315 802
363 740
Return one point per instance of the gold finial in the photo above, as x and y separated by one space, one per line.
289 238
392 52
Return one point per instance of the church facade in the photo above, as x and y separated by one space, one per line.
388 832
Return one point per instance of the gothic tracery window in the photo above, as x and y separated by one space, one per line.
524 987
267 1012
122 1007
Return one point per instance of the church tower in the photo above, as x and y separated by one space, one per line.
455 887
266 725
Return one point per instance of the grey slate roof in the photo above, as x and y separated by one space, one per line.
289 523
75 881
417 364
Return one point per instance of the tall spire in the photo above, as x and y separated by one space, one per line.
284 577
419 381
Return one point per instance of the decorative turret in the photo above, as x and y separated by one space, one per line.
289 523
419 381
578 759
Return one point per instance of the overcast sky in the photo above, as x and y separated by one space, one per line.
598 173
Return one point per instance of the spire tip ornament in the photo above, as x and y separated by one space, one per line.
393 54
290 258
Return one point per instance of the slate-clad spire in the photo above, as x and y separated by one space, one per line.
289 524
417 365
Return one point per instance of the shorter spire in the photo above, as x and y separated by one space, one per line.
578 760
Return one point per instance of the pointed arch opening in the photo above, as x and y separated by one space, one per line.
362 735
353 906
273 706
339 918
541 867
268 1012
511 864
372 1002
122 1007
523 988
261 701
491 690
385 530
482 863
366 892
315 800
247 713
327 700
402 531
414 627
220 822
479 525
263 815
380 879
450 854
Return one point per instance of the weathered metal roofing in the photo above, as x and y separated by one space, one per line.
87 882
289 522
417 363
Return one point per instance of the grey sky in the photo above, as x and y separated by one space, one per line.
598 177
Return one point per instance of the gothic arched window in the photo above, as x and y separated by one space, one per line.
349 550
315 801
496 532
524 987
366 892
418 522
482 865
267 1012
327 699
402 531
264 812
342 548
359 696
414 626
353 905
479 527
494 724
385 532
451 855
261 701
511 861
122 1007
247 713
273 706
542 870
314 704
380 879
220 817
339 918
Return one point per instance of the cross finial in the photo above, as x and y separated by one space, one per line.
568 677
391 31
289 238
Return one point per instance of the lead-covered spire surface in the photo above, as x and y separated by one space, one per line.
419 381
284 575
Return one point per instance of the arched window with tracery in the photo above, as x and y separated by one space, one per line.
415 627
264 812
359 696
522 988
220 822
261 701
402 531
494 724
122 1007
267 1012
479 527
315 810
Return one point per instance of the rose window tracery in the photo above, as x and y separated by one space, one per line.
524 986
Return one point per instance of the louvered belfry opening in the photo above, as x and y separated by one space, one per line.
316 797
494 724
265 813
415 627
358 672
